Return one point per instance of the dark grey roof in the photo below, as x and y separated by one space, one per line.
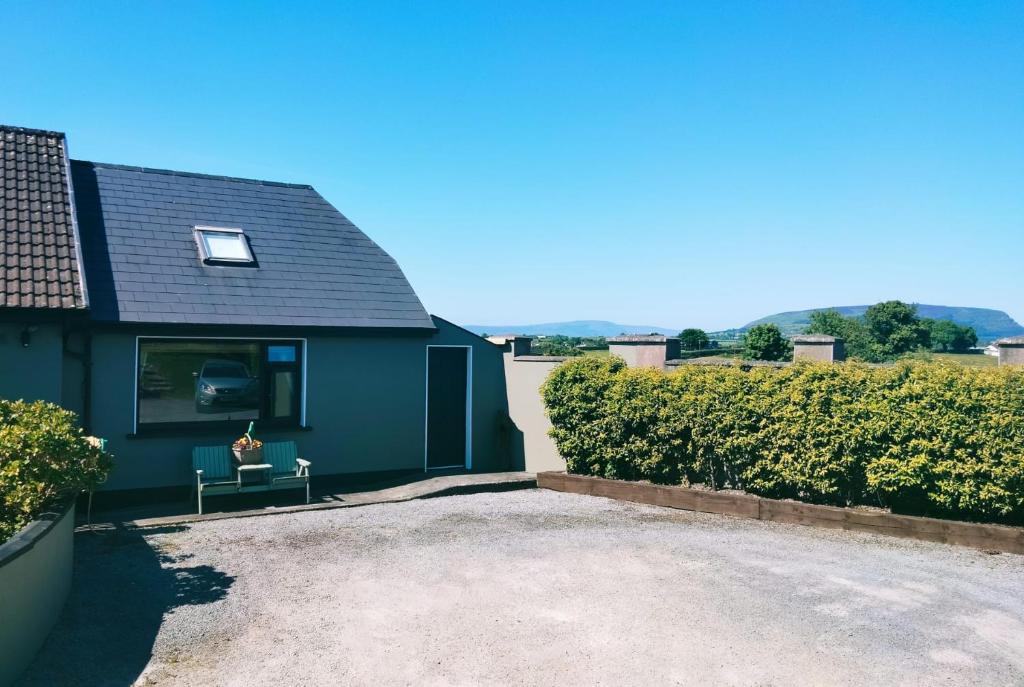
314 266
39 265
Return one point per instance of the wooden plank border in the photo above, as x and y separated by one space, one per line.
975 535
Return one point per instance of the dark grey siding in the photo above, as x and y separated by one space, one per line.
365 402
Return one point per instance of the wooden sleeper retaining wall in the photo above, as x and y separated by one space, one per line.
979 536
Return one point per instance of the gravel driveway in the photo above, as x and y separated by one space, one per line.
531 587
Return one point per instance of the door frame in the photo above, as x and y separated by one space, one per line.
469 407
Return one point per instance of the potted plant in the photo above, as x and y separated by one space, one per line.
247 450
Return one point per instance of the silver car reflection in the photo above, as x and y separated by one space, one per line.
226 384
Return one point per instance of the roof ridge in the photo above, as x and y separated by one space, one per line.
194 175
29 130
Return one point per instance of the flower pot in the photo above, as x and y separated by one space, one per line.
248 456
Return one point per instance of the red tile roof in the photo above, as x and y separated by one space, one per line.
39 263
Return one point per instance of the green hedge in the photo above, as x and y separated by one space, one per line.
923 438
44 457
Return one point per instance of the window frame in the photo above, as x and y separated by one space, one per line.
295 422
200 232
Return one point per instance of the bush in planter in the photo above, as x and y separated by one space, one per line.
645 436
44 457
574 395
955 444
923 438
819 423
719 420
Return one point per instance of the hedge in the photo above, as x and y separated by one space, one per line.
918 437
44 457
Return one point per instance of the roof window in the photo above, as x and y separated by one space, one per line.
222 246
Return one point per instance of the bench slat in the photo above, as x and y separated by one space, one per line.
214 461
282 455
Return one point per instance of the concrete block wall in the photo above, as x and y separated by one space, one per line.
820 347
533 449
644 350
1011 350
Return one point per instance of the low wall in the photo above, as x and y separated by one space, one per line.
524 376
35 578
979 536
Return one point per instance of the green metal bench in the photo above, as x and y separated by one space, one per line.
216 473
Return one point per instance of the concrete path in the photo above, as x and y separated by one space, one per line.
530 587
392 491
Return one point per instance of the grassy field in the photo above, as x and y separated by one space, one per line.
969 359
600 353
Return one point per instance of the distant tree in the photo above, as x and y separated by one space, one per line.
765 342
896 328
693 340
557 344
950 337
830 322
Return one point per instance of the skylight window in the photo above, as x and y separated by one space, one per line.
219 245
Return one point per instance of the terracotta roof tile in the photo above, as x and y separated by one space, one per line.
38 252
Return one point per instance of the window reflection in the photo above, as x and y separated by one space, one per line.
204 380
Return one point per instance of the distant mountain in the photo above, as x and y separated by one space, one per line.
574 328
989 324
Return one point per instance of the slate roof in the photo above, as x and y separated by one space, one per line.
315 267
39 264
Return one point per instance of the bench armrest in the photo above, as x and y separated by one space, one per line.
303 463
199 473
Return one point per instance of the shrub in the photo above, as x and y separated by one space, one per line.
575 399
765 342
820 420
642 431
955 443
44 457
719 426
920 437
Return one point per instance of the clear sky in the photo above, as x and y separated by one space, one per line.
673 164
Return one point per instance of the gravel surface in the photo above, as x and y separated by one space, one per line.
531 587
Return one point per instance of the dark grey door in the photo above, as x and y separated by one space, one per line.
446 406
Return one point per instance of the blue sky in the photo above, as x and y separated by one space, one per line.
673 164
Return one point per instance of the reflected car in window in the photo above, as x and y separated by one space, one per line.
226 384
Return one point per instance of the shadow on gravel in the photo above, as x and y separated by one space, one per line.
122 588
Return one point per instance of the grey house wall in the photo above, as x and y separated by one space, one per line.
365 403
32 372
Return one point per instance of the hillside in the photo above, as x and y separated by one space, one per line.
580 328
989 324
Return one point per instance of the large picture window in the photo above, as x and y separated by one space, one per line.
189 381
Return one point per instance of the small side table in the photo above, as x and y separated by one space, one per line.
260 470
